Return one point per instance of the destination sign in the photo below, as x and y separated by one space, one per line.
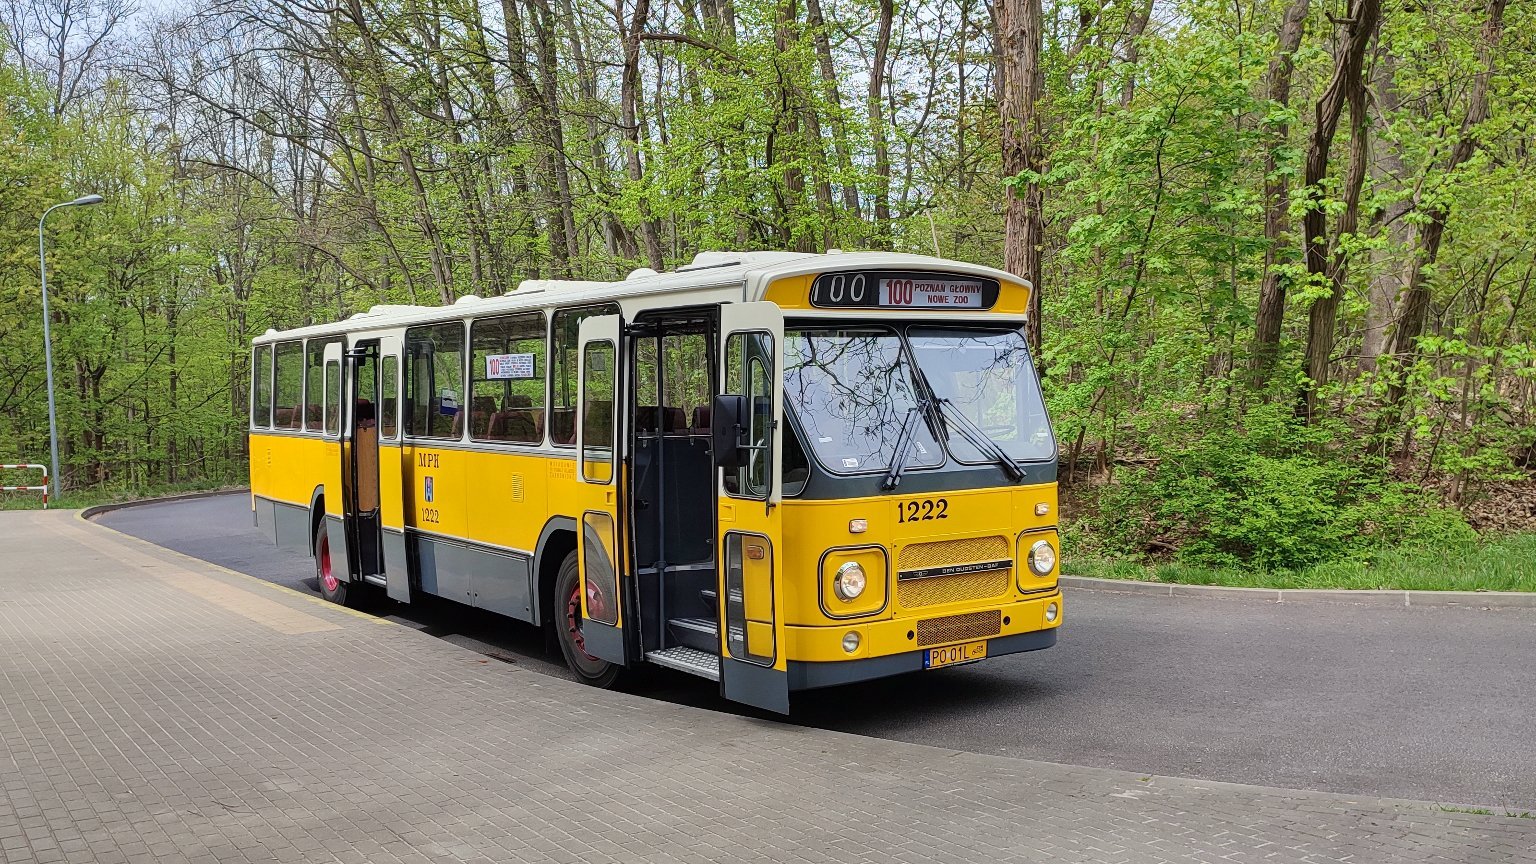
885 289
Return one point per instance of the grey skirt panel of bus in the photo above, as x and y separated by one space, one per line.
476 576
397 575
291 529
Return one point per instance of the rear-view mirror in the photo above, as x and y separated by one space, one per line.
727 426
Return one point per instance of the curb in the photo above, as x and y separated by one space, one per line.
1438 599
98 509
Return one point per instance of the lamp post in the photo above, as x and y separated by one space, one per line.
42 270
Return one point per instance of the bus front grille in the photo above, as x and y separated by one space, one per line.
957 628
917 593
953 571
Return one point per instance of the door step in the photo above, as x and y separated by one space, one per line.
690 660
375 579
700 634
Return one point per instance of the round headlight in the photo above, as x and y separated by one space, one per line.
850 581
1042 557
1050 613
851 641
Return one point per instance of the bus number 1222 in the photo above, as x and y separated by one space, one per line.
925 510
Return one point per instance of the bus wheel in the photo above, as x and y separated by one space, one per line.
567 619
332 587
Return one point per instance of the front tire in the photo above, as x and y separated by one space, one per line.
332 587
566 616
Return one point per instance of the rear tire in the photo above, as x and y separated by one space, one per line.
332 587
565 614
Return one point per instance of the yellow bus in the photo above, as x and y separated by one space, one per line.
778 471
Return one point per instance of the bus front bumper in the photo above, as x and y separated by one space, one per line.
1026 630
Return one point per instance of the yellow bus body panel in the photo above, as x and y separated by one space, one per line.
292 466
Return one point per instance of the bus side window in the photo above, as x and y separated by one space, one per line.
332 398
388 397
597 413
288 386
562 380
261 387
507 370
434 380
749 372
314 382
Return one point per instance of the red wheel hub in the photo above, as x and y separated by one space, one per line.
327 578
595 603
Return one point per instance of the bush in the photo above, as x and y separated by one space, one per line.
1269 492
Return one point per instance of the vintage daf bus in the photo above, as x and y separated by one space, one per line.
779 471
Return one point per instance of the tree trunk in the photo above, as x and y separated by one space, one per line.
1020 80
818 25
1358 30
877 72
629 95
1277 196
1322 317
1387 171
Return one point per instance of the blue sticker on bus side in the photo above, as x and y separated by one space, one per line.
429 490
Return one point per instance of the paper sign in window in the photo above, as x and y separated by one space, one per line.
502 367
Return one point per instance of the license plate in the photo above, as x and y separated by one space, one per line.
954 655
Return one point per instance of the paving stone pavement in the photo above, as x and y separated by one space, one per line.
154 708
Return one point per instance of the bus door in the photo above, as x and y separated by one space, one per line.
599 466
337 477
360 463
748 442
392 490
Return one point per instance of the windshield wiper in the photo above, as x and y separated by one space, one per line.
904 445
980 440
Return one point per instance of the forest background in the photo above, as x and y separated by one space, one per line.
1285 248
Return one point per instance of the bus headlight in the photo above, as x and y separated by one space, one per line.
850 581
1042 558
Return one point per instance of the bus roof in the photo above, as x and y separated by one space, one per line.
710 273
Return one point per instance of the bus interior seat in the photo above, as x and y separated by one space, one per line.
645 420
525 425
673 421
481 409
701 418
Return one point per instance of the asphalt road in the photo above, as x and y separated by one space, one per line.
1432 704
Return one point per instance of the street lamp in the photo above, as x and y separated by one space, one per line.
42 270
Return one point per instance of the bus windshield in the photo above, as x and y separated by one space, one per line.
986 375
853 389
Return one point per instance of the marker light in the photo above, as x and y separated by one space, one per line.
851 641
858 526
849 582
1050 613
1042 558
1042 508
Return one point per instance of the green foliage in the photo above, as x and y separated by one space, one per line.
1272 493
1505 563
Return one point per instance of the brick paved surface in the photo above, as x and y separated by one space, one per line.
154 708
